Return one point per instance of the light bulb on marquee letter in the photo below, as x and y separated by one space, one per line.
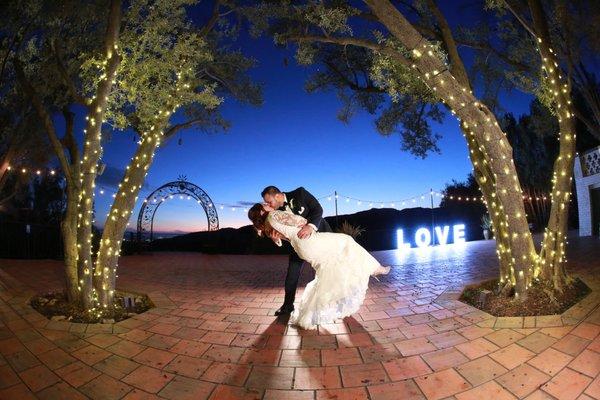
459 233
423 237
400 238
442 235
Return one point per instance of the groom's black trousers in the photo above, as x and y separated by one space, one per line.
291 280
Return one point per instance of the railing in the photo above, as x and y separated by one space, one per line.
22 240
590 162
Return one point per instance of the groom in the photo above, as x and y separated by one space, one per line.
299 202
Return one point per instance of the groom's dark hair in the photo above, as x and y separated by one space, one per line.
272 190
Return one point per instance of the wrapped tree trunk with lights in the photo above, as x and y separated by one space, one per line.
92 151
376 51
79 167
552 255
171 65
193 72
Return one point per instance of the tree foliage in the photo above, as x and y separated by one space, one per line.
330 35
145 65
506 54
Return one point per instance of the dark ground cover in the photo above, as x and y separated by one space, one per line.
55 306
541 299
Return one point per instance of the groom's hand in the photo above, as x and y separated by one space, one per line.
305 232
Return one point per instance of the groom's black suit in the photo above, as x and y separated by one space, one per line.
302 203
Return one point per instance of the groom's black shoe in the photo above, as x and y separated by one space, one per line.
284 311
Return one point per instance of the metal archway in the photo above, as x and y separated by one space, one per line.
180 187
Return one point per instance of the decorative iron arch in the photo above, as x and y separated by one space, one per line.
145 223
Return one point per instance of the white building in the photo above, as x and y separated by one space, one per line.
587 182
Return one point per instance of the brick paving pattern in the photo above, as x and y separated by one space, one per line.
213 335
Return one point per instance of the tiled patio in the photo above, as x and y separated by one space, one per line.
213 335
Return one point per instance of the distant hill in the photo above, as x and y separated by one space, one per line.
380 227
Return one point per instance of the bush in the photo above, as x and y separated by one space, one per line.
354 231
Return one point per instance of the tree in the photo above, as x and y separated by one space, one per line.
533 139
136 70
22 147
175 77
413 56
60 38
42 198
558 98
22 144
506 57
456 193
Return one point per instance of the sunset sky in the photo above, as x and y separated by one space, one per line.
293 140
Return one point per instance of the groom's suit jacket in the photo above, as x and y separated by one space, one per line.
302 202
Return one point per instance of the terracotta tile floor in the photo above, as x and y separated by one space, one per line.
213 335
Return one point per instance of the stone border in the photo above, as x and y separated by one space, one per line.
13 292
575 314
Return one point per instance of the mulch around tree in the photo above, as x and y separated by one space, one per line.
55 306
542 299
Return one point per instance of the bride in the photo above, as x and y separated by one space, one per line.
342 267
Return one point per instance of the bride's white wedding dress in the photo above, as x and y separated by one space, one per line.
342 270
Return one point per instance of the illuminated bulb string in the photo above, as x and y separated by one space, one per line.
330 197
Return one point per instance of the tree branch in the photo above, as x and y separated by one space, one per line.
8 155
7 56
222 81
213 19
176 128
524 23
592 128
343 41
426 31
110 42
497 53
456 64
65 74
45 117
351 41
18 39
353 85
7 198
69 139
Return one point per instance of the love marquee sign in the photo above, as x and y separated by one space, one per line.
424 237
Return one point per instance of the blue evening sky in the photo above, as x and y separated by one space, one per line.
294 139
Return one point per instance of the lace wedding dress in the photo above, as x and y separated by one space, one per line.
342 269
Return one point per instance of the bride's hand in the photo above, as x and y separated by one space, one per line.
275 235
305 232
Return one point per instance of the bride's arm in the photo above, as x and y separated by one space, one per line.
273 234
276 238
287 218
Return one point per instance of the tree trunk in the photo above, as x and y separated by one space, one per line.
81 194
91 155
503 193
4 166
69 232
92 150
71 172
120 212
552 255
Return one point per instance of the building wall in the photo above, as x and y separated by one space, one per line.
587 177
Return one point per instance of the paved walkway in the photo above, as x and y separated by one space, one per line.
213 335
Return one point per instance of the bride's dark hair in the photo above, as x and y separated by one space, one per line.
258 216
